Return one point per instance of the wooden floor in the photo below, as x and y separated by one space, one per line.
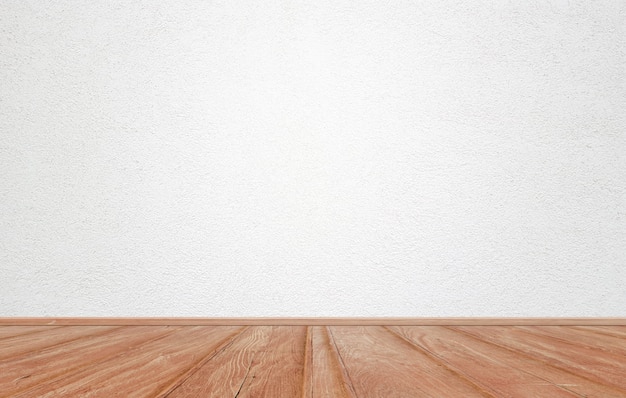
313 361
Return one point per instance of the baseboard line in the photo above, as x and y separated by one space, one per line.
310 321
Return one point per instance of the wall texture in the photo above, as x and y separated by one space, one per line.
318 158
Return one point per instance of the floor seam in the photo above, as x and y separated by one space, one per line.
227 342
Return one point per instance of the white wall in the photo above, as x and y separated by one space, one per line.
322 158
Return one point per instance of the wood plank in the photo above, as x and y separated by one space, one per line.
279 371
11 331
319 321
614 331
46 366
493 376
313 361
146 370
325 376
224 374
266 361
603 367
21 345
505 373
380 364
584 338
307 373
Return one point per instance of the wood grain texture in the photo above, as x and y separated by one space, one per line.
473 321
313 361
266 361
380 364
46 367
603 367
18 345
11 331
326 375
501 371
280 368
615 331
491 375
226 373
142 371
583 338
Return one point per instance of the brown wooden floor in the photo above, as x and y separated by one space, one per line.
313 361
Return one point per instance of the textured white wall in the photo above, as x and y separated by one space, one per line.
319 158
